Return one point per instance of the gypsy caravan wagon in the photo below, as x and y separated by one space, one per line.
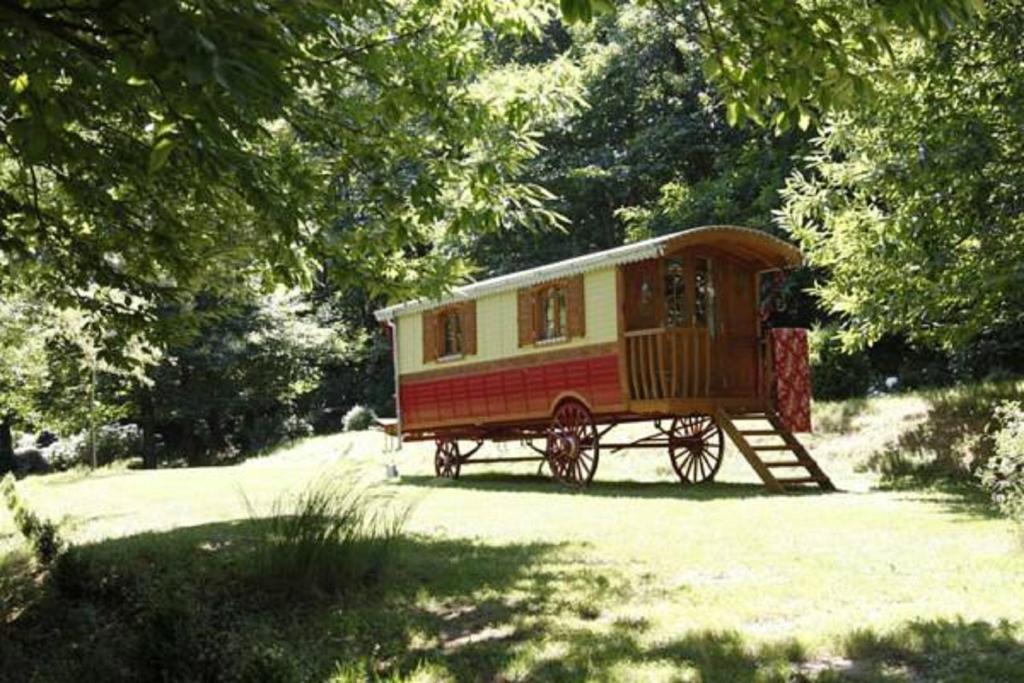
668 331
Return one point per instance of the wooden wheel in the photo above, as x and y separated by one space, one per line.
447 459
695 448
572 445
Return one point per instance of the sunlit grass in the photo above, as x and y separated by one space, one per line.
505 574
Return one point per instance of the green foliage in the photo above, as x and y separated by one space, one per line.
912 204
23 361
358 418
330 538
651 153
835 373
113 442
152 148
243 381
779 63
43 535
1003 474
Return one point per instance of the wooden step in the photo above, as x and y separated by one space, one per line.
798 480
754 452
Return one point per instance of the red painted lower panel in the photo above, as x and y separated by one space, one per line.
490 396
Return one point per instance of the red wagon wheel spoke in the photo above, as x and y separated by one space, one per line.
695 448
447 459
572 447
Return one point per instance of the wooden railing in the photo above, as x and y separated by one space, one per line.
668 363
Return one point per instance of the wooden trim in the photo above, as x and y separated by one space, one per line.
575 395
512 419
433 331
467 312
576 304
525 316
574 296
620 321
429 324
520 361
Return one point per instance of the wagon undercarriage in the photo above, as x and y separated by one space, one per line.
572 441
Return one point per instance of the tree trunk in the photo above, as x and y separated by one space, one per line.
217 437
6 443
189 444
148 432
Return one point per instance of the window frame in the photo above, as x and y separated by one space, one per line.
445 315
558 292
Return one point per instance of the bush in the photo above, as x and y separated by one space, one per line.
1003 474
836 374
42 534
330 538
113 442
358 418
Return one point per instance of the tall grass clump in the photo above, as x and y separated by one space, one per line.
43 535
330 538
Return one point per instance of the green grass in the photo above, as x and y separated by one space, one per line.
505 576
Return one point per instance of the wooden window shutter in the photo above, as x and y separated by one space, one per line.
468 314
576 318
526 322
430 336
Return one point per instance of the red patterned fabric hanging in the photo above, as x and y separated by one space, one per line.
792 378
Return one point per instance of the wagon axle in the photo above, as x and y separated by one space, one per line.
573 443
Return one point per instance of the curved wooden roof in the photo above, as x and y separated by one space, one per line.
754 245
757 246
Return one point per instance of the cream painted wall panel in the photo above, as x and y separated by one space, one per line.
497 332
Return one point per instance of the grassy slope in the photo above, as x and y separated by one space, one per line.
507 575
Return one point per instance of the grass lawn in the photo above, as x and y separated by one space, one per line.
503 575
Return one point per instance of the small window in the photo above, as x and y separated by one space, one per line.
704 303
676 314
553 314
451 334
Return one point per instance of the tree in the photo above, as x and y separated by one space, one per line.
651 153
241 382
159 148
782 62
22 371
913 206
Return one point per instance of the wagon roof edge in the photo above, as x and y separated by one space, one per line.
627 253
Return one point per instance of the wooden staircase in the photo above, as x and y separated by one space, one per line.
761 434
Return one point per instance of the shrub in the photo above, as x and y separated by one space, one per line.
329 538
836 374
113 442
358 418
42 534
1003 474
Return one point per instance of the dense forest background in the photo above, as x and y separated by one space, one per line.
592 134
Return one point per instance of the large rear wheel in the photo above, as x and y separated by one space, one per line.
695 448
572 444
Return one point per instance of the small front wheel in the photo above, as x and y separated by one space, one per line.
447 459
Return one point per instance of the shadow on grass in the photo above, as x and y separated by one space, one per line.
935 650
182 605
955 435
531 483
942 453
837 417
185 604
